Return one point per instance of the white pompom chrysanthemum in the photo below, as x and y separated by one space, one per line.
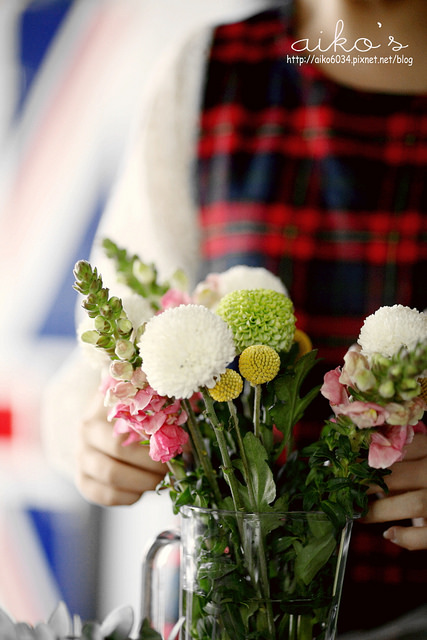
217 285
185 348
390 328
244 277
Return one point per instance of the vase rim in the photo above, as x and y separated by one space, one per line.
320 515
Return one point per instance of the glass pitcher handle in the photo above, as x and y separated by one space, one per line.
160 582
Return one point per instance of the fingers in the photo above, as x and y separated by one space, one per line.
408 475
107 481
109 473
411 538
411 473
418 447
97 433
409 505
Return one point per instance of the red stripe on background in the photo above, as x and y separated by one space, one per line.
5 423
235 42
315 129
297 233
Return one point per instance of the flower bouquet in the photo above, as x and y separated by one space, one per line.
213 383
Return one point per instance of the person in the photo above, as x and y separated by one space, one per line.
307 127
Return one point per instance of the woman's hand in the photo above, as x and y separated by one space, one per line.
407 498
107 472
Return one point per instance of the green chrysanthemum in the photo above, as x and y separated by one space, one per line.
229 386
259 316
259 364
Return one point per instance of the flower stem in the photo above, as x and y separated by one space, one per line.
300 627
201 452
265 583
222 443
245 462
219 432
176 470
257 410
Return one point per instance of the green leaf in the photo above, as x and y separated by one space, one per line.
313 556
146 632
260 473
289 407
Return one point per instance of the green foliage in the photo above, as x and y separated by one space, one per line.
339 474
261 475
147 633
140 278
111 324
284 404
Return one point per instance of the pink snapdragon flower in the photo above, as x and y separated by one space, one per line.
365 415
409 412
333 389
143 413
167 442
174 298
393 424
387 445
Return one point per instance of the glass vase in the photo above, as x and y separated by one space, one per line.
266 576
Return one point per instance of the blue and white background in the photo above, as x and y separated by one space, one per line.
71 75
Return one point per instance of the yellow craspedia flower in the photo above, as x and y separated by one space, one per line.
228 387
259 364
303 341
423 383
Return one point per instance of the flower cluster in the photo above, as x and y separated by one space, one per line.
381 389
141 412
217 374
183 342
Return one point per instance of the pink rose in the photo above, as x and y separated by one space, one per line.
167 442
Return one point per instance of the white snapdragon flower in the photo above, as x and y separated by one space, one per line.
390 328
185 348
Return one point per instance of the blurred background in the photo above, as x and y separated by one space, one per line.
73 76
68 92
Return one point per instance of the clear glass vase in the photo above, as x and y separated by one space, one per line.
268 576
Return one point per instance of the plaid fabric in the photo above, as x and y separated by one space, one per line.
325 186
